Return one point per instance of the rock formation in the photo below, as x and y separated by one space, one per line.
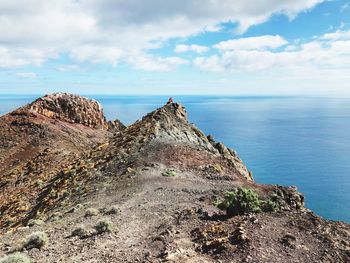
37 140
71 108
169 125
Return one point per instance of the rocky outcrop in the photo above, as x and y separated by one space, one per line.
37 140
288 198
71 108
115 126
169 123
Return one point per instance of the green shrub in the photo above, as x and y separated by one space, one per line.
169 173
103 226
269 206
91 212
80 232
240 201
245 200
36 240
15 258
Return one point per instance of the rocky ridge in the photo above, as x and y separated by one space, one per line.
169 125
156 218
38 140
165 131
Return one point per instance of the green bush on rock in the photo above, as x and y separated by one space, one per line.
113 210
91 212
270 206
80 232
243 201
169 173
36 240
104 226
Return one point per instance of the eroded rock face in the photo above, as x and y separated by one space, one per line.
36 141
173 123
71 108
170 124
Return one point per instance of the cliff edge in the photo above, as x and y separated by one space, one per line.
158 190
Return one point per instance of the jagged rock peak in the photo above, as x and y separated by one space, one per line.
169 111
71 108
115 126
170 124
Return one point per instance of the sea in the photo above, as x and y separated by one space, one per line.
301 141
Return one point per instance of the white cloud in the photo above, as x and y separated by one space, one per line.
96 54
195 48
110 31
153 63
320 66
11 57
291 48
26 75
69 68
328 52
251 43
338 35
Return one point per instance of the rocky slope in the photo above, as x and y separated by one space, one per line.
156 181
37 140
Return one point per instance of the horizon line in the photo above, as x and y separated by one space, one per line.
183 95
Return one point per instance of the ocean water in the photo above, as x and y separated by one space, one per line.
283 140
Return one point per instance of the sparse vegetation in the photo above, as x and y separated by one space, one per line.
113 210
39 183
169 173
15 258
103 226
245 200
91 212
36 240
35 222
80 232
79 206
270 206
56 216
75 208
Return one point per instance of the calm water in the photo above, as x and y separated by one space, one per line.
283 140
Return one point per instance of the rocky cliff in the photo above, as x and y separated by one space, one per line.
171 124
154 185
70 108
40 138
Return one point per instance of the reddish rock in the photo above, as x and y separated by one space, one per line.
71 108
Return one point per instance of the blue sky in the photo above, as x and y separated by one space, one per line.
270 47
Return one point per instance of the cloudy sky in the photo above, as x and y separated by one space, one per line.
238 47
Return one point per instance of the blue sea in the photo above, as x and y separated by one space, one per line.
298 141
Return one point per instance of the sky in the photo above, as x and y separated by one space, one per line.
206 47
